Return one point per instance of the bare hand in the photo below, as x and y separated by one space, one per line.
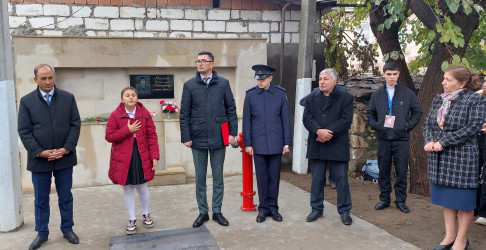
188 144
285 150
154 164
46 153
483 129
231 139
323 135
135 126
437 147
429 147
249 150
55 154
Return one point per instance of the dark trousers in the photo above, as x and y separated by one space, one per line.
398 153
267 168
340 173
63 179
200 157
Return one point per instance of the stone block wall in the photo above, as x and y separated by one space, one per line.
152 19
361 137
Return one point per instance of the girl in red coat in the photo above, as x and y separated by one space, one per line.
134 153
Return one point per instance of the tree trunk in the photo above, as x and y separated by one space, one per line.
431 86
388 41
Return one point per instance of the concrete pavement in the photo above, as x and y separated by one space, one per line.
99 214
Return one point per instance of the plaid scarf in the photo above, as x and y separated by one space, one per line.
447 98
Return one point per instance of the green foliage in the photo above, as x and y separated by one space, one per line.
476 52
344 39
395 55
339 46
446 31
450 32
396 10
97 119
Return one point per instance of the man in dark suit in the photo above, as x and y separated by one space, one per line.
207 102
49 127
328 116
267 136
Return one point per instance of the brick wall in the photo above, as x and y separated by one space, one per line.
143 19
224 4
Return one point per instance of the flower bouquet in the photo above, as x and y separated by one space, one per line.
168 107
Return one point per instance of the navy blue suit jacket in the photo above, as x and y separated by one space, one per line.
266 120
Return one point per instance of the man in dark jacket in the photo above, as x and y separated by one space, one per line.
207 103
49 127
267 136
393 112
328 116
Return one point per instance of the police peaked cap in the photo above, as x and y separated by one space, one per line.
262 71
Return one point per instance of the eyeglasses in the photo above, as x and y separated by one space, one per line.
202 61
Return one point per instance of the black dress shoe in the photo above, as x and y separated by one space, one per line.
313 216
261 217
465 248
37 242
200 220
444 247
220 219
72 238
381 205
346 219
402 207
276 216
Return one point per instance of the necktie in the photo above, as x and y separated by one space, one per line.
206 80
47 99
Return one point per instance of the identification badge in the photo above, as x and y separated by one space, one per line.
389 121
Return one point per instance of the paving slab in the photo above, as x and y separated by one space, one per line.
178 239
99 215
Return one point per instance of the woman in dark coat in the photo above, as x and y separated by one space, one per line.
450 130
134 153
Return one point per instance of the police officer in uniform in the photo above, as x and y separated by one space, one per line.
266 136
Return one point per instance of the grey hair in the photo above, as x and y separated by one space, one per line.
331 72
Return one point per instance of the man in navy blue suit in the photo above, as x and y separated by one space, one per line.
49 126
267 136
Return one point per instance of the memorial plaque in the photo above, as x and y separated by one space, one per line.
153 86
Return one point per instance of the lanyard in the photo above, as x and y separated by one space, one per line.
390 101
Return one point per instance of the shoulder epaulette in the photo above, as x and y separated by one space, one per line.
250 89
278 87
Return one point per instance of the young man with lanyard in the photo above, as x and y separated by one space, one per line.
393 112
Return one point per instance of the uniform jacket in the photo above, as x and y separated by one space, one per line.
266 120
204 108
457 164
405 108
42 128
335 115
118 133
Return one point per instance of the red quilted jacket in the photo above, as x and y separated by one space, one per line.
119 135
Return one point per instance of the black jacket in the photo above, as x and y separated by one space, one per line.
204 108
405 108
42 128
335 115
